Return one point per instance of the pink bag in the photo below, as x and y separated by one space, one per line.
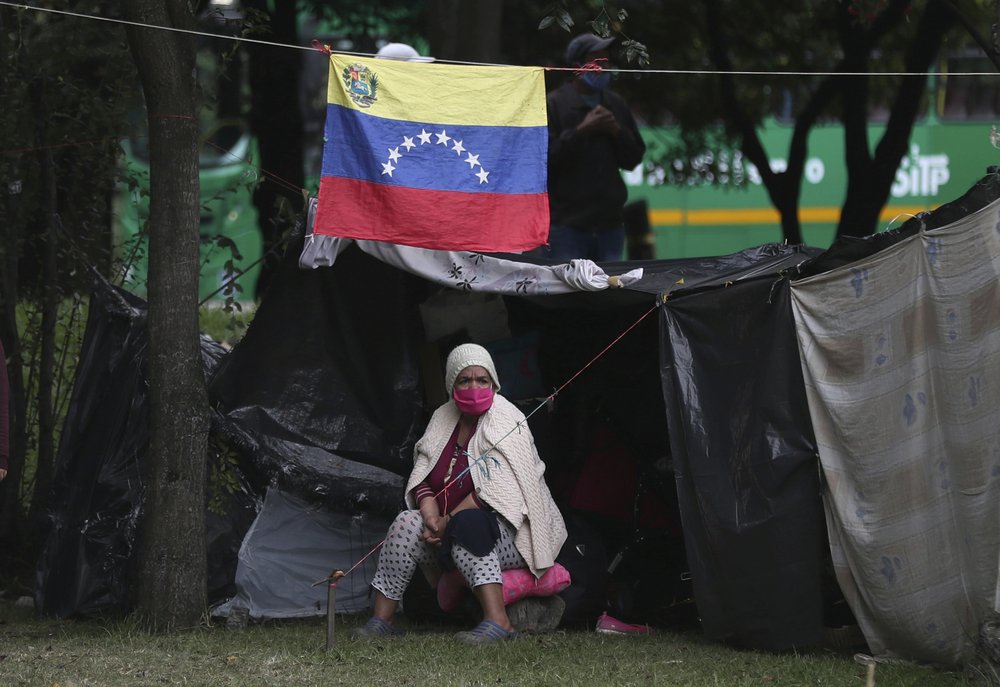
517 584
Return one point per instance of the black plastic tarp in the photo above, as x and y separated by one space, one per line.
86 566
324 389
745 463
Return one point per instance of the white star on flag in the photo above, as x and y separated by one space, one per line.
443 157
395 155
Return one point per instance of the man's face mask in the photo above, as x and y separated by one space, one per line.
596 80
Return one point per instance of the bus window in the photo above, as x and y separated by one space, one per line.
882 92
962 98
228 143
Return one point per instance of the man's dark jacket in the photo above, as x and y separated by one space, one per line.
586 189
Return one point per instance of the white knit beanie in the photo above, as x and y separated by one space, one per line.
464 356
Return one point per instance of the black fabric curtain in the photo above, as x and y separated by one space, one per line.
745 463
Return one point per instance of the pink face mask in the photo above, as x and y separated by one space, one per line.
474 401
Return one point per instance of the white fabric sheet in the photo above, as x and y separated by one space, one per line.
901 358
470 271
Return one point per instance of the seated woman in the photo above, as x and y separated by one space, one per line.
477 502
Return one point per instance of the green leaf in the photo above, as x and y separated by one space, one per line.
601 27
546 22
635 51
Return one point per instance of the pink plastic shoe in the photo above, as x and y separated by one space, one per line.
612 626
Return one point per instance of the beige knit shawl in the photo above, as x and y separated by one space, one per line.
513 484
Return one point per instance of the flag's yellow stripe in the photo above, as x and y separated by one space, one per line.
445 93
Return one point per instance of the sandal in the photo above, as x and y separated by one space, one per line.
376 627
485 632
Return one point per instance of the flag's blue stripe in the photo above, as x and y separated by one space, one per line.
357 146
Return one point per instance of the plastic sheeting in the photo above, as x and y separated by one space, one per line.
745 463
328 362
901 358
277 570
86 563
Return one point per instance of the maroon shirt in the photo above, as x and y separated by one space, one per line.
447 472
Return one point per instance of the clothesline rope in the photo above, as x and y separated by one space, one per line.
672 72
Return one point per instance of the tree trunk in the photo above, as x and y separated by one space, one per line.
870 177
276 121
11 521
171 554
12 171
782 188
50 313
464 29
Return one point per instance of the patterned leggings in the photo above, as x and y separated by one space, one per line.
404 550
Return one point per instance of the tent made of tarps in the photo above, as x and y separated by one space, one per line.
347 358
694 387
736 424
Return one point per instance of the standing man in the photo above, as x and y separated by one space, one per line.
592 136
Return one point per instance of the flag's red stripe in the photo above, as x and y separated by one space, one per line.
441 220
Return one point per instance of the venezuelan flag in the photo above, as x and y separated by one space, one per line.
448 157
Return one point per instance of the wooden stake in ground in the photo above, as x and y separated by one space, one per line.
331 603
866 660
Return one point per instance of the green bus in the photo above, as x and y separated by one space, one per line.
950 149
231 245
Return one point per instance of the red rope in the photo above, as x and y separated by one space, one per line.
595 65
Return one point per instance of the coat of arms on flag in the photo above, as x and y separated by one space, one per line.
448 157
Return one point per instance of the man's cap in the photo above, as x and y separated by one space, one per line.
584 44
401 51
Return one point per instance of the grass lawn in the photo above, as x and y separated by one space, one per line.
68 653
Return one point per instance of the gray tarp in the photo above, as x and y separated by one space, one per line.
290 546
